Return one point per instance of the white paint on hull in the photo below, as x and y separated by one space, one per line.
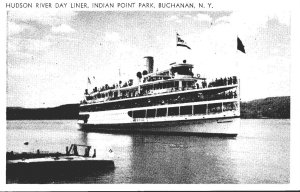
225 122
212 126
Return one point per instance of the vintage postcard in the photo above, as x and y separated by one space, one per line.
157 92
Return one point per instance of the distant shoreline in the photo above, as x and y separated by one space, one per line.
76 119
267 108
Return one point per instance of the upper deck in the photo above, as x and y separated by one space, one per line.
178 79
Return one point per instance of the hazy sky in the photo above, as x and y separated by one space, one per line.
50 55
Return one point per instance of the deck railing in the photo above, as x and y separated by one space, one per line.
215 83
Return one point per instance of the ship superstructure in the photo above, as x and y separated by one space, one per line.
174 100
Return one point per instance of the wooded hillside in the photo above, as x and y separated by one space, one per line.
271 107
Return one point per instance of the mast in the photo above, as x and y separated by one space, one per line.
119 84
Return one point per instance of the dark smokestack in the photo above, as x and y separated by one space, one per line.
149 64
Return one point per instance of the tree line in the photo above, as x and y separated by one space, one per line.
271 107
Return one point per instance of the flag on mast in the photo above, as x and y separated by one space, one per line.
181 42
240 45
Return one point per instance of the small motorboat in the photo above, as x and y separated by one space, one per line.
55 164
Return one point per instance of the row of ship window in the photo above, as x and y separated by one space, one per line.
184 110
176 111
159 100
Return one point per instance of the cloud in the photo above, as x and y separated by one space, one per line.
199 17
283 18
203 17
174 18
63 28
25 47
38 45
253 77
52 18
14 28
112 36
247 24
188 16
178 21
225 19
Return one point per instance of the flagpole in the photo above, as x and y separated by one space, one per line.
240 48
176 39
119 85
87 85
177 56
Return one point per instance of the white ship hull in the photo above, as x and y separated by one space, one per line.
219 124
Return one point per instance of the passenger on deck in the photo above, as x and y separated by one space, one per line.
204 84
235 95
216 83
221 82
230 81
234 80
225 81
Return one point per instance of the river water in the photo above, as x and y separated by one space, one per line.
259 154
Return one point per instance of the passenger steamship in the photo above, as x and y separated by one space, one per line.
172 101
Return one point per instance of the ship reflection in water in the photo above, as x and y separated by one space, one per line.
165 159
260 154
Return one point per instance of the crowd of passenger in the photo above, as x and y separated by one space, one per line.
223 95
195 97
111 87
144 91
223 81
168 99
